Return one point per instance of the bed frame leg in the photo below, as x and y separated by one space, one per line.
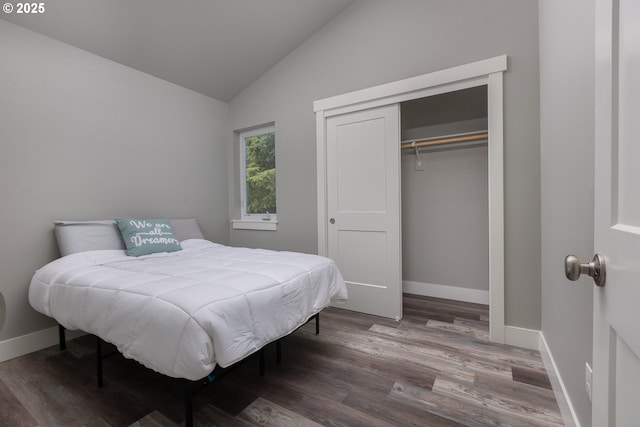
279 351
188 404
317 324
61 337
99 361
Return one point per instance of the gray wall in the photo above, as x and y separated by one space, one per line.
82 137
445 221
375 42
567 157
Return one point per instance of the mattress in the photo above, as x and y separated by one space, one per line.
182 313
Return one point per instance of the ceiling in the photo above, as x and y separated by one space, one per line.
215 47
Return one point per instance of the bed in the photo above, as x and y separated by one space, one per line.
183 311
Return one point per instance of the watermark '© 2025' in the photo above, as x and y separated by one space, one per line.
24 8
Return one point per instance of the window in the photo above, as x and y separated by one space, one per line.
258 176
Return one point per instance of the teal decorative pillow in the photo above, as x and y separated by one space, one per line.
147 236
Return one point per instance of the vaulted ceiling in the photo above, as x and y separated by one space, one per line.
215 47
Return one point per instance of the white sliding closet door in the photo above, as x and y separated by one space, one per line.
363 207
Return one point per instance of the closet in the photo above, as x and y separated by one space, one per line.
444 181
410 189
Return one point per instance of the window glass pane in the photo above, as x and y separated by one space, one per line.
260 173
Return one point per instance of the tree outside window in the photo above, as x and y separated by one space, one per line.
259 172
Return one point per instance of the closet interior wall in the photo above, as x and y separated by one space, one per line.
445 223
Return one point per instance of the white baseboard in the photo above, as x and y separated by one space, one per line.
560 391
522 337
25 344
447 292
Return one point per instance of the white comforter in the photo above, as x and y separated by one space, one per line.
180 313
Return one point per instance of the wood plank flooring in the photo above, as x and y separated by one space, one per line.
436 367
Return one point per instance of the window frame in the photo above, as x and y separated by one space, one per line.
252 220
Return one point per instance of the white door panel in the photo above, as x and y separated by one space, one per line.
616 339
362 255
361 163
627 368
628 95
363 204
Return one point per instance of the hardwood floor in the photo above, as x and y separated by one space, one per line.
433 368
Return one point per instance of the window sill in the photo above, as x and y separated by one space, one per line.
243 224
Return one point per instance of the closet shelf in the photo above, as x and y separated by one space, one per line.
450 139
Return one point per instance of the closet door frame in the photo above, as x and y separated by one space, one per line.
488 72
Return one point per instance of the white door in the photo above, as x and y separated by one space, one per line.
363 207
616 336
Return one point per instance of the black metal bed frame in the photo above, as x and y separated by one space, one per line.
191 388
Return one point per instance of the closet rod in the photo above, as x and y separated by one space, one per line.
446 140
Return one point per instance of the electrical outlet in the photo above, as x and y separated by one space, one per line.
588 373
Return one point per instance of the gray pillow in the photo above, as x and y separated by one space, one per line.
80 236
186 228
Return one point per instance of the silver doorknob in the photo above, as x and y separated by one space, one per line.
332 221
596 268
